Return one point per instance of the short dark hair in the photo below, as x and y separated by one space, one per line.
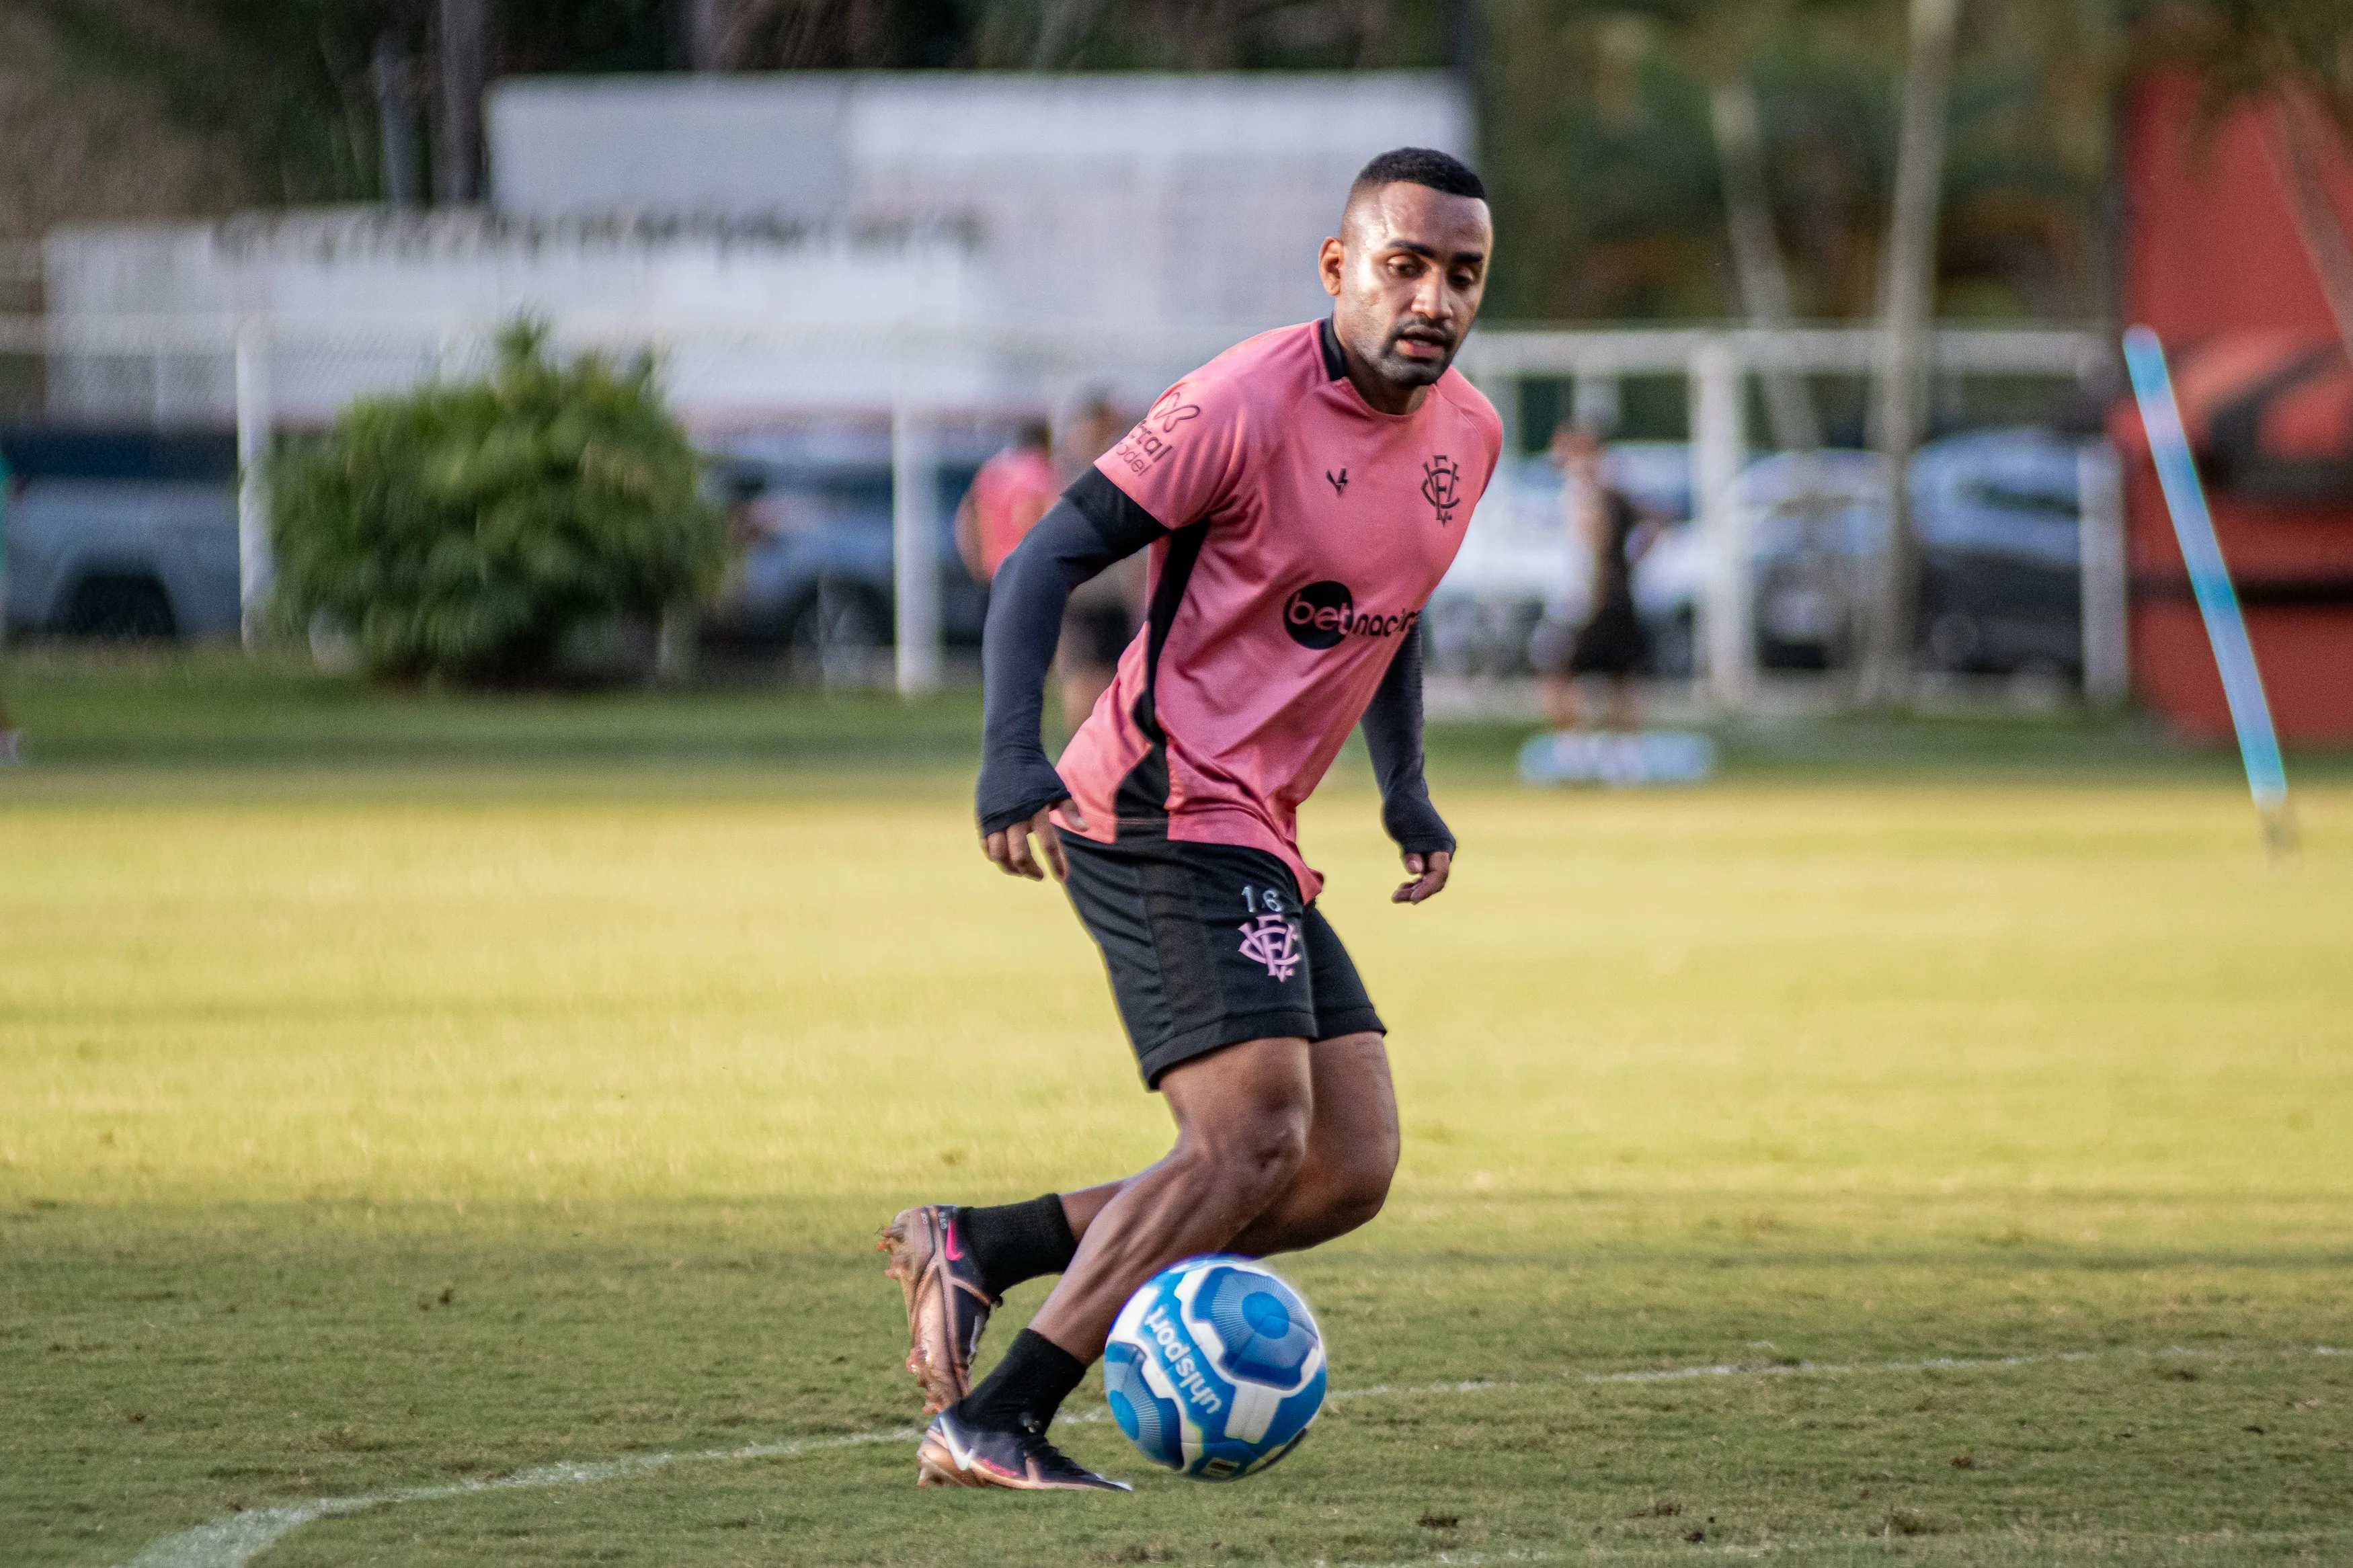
1419 166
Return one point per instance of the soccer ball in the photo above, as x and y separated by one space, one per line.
1215 1368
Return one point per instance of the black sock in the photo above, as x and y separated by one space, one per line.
1015 1242
1026 1388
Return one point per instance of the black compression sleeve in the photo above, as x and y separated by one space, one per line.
1092 526
1393 734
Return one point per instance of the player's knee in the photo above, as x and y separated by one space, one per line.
1245 1139
1372 1174
1360 1186
1270 1153
1255 1157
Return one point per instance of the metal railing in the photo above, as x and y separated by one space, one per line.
1714 363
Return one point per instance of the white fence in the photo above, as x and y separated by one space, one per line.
267 375
1714 363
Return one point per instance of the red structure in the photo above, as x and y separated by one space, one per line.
2213 260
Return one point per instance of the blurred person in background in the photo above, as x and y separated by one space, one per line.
1609 642
1105 610
1010 493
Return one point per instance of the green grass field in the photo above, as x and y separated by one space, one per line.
1947 1160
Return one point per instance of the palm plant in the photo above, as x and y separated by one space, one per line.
2291 63
1907 303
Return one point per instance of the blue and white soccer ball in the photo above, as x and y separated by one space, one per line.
1215 1368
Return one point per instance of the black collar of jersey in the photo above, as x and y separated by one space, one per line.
1336 364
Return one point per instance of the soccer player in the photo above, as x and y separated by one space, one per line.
1610 642
1300 495
1009 495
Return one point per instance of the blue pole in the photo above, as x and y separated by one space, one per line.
2209 580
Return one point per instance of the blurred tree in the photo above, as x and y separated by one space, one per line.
1615 175
466 529
2290 62
1723 41
2026 166
1907 294
1756 255
1599 148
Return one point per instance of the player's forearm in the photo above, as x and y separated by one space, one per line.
1024 621
1392 726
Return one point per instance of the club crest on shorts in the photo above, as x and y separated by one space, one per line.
1272 940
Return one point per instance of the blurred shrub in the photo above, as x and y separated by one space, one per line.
465 529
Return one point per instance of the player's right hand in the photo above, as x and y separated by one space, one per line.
1010 848
1429 873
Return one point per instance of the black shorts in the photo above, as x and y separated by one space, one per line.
1208 945
1611 641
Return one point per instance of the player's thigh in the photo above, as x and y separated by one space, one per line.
1252 1101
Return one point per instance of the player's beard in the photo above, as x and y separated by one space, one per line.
1400 371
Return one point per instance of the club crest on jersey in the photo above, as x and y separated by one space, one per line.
1272 940
1441 487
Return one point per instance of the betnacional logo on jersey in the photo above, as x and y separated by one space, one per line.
1318 615
1149 441
1272 940
1441 487
1324 614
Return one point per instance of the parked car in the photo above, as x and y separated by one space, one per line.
1996 511
813 519
1997 514
1813 520
120 534
2000 514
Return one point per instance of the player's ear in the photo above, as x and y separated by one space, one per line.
1331 262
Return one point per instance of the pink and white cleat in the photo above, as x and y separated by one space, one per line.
947 1306
955 1453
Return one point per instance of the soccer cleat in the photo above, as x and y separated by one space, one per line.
954 1453
947 1306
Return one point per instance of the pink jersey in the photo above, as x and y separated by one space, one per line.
1307 530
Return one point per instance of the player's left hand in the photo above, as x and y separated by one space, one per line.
1010 848
1429 874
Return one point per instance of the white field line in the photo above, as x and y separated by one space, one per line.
234 1539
